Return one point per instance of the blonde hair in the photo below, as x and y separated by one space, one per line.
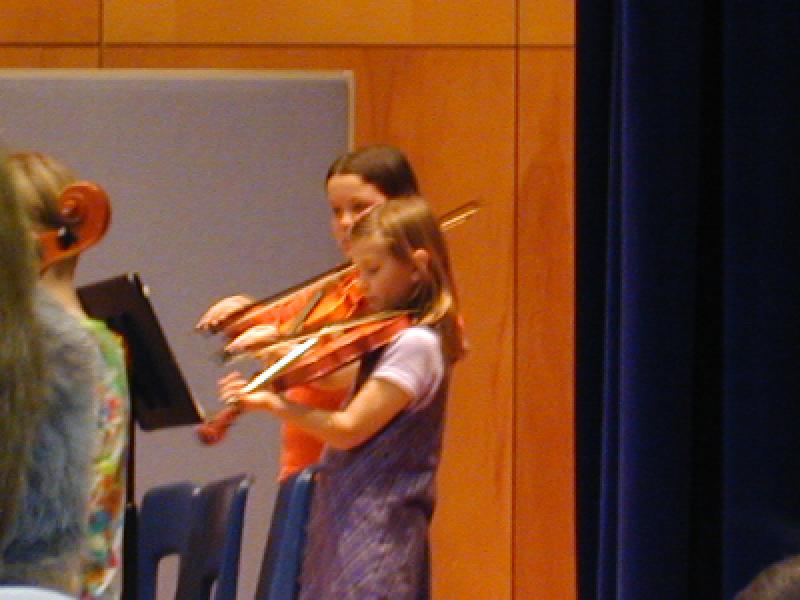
406 224
20 353
38 181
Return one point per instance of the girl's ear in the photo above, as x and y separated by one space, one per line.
421 259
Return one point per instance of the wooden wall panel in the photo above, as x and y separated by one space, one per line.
309 22
61 57
46 21
544 485
547 22
437 79
462 150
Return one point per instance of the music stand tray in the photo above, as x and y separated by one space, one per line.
160 396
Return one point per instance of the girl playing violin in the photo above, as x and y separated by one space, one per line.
374 495
355 182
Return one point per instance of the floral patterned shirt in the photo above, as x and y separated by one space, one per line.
102 556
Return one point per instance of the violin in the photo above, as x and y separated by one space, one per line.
340 299
325 299
332 304
84 213
310 360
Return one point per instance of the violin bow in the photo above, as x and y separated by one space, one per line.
279 365
448 220
334 328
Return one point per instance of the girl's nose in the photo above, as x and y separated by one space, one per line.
346 219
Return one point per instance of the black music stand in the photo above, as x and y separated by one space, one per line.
160 397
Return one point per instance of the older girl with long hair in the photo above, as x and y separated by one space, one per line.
47 413
355 182
38 181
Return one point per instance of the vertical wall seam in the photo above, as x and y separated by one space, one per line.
101 42
514 300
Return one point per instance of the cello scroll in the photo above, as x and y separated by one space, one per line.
84 213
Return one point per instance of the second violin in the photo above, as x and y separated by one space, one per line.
326 298
312 357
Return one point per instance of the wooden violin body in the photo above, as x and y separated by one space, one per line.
85 214
339 351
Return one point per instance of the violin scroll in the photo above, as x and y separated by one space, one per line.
215 428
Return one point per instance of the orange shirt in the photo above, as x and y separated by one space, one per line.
298 448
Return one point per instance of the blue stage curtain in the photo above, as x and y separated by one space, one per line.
688 281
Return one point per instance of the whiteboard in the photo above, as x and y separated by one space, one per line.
216 184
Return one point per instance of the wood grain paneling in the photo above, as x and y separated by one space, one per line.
430 79
309 21
452 110
62 57
544 486
447 107
547 22
46 21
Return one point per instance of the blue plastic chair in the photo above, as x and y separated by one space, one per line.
201 524
163 524
283 552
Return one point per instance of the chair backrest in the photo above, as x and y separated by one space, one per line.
163 526
283 552
214 546
202 524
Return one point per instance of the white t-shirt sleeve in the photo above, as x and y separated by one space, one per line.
414 363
